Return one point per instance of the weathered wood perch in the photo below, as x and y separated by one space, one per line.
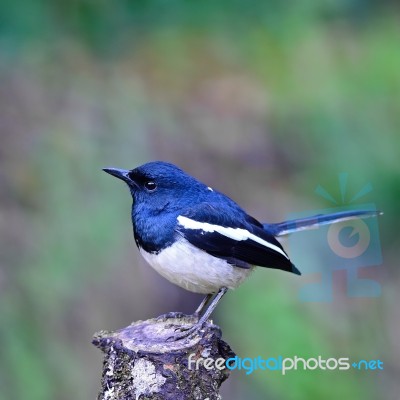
140 363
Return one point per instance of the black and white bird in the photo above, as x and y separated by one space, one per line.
200 239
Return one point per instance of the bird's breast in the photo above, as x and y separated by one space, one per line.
193 269
153 233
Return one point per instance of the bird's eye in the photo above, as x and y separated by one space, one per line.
150 186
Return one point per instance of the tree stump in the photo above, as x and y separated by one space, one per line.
141 362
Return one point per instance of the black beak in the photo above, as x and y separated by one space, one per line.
119 173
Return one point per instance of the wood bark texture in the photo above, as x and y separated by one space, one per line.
142 362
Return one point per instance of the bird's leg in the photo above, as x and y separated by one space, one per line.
203 303
211 308
203 319
196 314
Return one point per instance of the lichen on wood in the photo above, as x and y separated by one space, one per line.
142 362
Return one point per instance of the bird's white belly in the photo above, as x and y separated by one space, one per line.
195 270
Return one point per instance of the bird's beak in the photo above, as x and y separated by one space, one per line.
119 173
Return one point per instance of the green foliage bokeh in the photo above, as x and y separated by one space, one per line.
264 100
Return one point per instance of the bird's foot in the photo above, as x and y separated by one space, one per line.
172 314
183 332
196 315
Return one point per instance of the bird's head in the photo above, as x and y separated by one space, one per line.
159 185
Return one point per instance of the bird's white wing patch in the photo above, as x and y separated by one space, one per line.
238 234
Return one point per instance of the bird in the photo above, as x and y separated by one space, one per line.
200 239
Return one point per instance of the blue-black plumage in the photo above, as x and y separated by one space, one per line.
199 238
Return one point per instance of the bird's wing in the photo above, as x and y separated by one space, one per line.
232 235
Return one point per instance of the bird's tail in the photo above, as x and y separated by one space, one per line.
286 227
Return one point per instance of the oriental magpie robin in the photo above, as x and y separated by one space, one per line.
200 239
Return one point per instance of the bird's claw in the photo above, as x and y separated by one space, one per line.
184 333
172 314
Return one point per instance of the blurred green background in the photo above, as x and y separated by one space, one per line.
263 100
